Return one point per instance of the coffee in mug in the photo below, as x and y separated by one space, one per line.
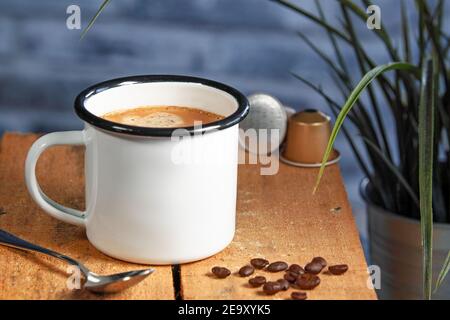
162 116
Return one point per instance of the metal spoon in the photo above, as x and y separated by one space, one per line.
93 282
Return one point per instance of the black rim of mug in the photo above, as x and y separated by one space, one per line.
231 120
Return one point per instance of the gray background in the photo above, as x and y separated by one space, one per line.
249 44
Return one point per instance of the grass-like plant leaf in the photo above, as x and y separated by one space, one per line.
405 31
435 40
426 157
334 107
402 93
360 58
445 269
394 170
387 85
334 43
94 18
340 73
312 17
354 96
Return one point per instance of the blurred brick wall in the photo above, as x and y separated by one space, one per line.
250 44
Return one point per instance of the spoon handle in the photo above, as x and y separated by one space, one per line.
11 240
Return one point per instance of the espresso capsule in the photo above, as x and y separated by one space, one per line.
277 266
267 113
246 271
221 272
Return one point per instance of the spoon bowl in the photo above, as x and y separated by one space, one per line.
115 282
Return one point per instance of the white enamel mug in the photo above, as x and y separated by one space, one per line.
149 197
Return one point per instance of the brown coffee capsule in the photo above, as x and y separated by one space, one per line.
307 139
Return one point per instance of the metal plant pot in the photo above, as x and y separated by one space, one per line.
395 246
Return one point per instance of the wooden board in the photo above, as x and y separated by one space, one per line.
277 219
280 219
32 276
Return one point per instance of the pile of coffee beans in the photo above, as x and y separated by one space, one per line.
295 276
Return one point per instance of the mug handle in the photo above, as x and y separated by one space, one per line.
53 208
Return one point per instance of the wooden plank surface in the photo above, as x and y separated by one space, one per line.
32 276
277 219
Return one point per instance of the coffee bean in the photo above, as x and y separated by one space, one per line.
307 281
291 276
320 260
313 267
298 295
277 266
221 272
338 269
284 284
296 268
246 271
259 263
271 287
257 281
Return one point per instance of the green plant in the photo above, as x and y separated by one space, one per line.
416 183
94 18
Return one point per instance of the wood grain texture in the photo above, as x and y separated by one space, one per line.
33 276
279 219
